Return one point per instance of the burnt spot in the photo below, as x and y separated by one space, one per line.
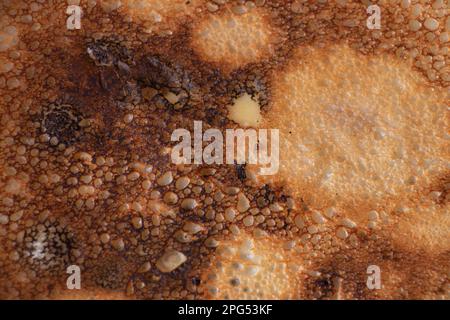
169 82
113 71
439 191
61 122
48 246
107 52
216 117
157 72
240 171
268 192
196 281
176 97
131 92
100 55
119 88
110 272
323 288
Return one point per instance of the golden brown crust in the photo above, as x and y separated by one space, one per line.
85 172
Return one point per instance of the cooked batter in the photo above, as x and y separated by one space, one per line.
86 177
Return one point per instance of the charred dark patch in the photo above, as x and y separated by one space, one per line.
196 281
157 72
168 83
441 190
215 117
110 272
107 52
268 193
100 55
240 171
323 288
48 246
61 122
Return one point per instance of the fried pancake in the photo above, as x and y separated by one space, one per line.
86 177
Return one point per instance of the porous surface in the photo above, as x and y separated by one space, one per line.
86 177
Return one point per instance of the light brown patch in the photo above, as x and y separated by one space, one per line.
255 268
232 41
356 130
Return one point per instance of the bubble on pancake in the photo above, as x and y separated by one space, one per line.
231 40
9 37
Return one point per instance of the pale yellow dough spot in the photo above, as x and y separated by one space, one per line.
245 111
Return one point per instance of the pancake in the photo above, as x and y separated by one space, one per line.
86 176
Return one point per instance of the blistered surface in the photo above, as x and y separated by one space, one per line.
86 178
